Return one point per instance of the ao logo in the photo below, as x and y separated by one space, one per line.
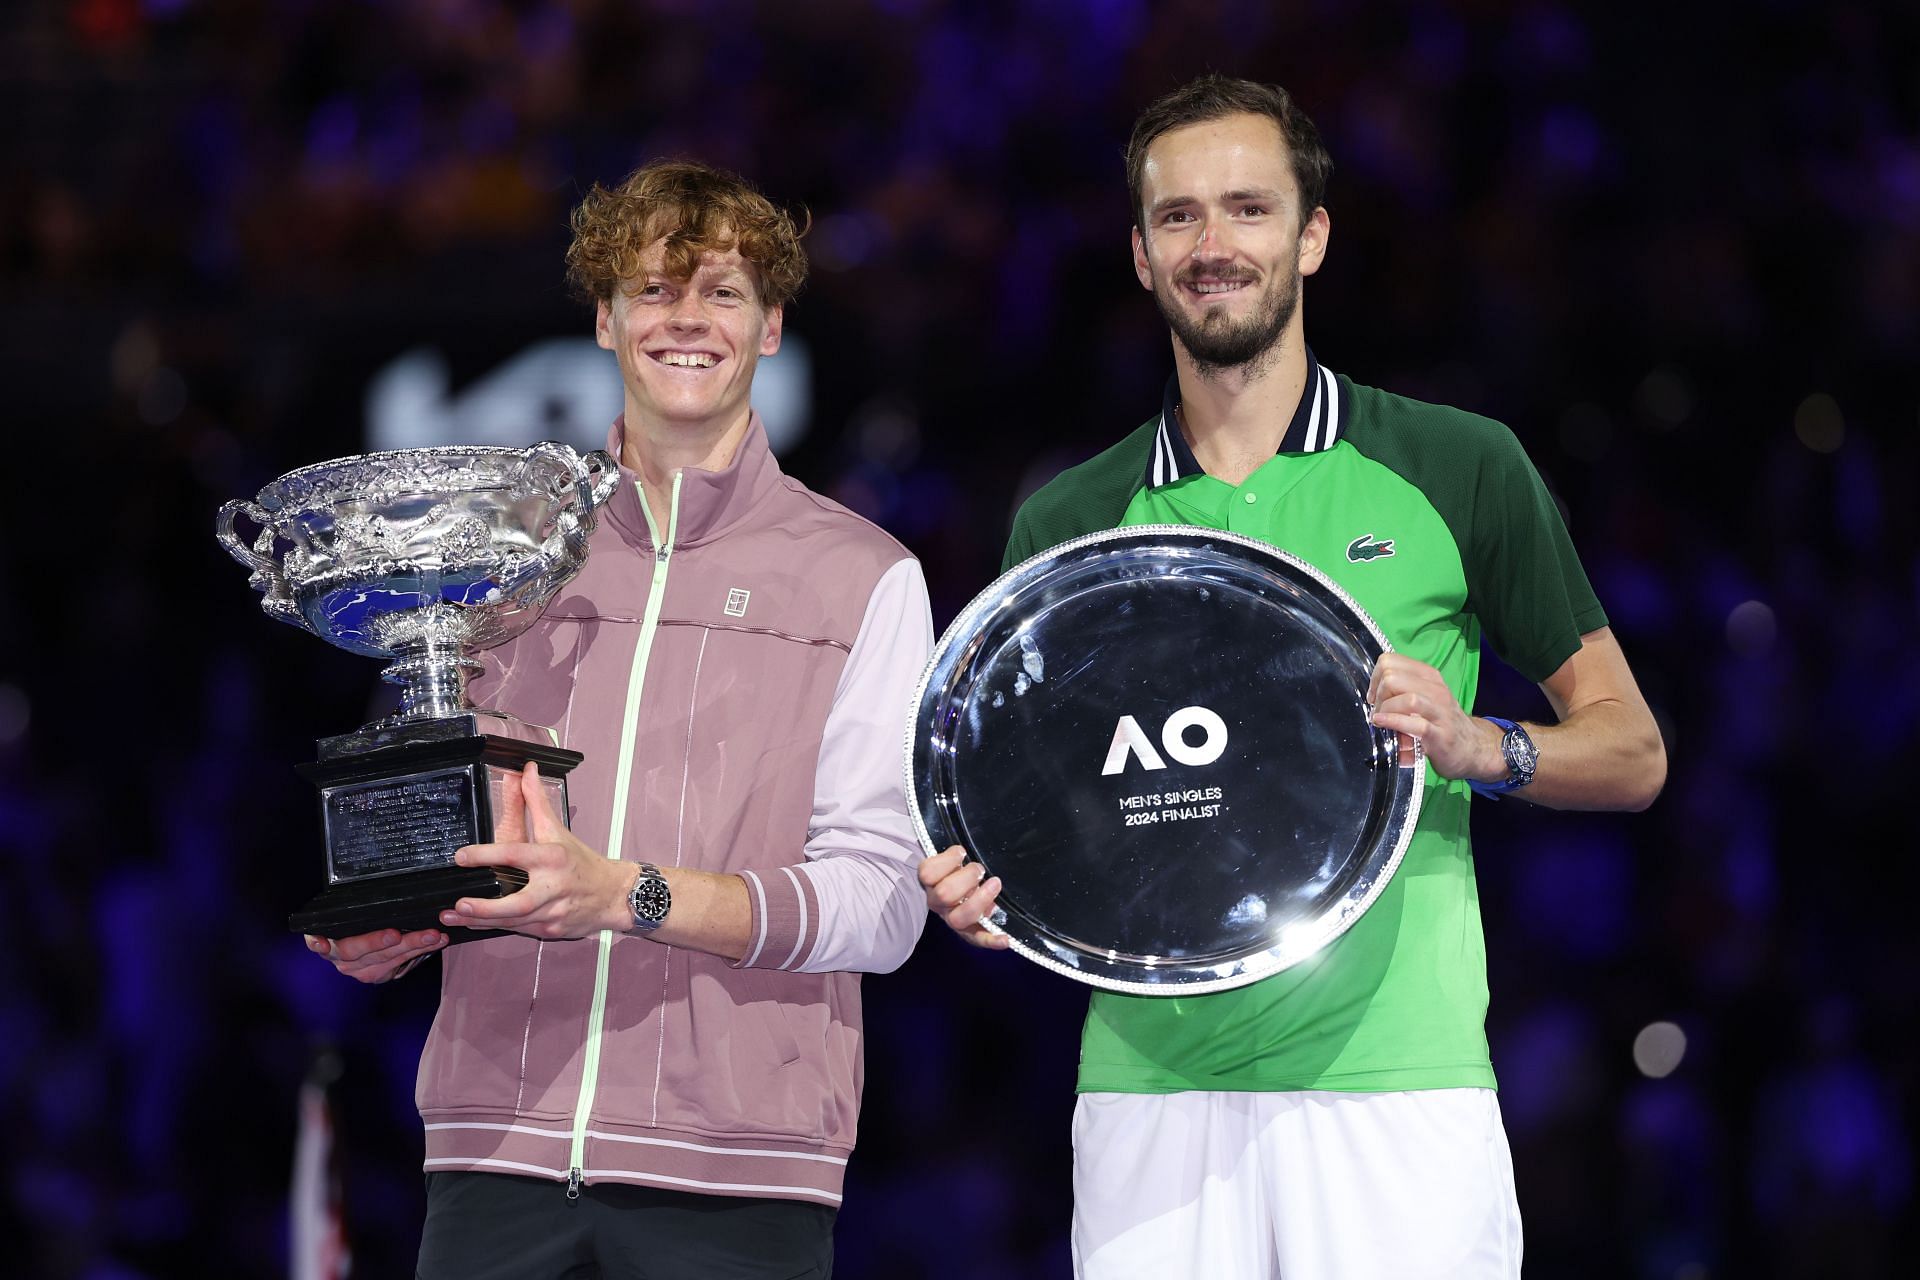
1129 737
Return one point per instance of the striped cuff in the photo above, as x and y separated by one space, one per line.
786 918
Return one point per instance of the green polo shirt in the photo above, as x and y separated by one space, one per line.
1437 524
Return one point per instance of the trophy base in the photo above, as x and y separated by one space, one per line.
392 732
396 813
409 901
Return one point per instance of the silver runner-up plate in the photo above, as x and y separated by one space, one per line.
1158 738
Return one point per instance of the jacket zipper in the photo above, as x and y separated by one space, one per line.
623 778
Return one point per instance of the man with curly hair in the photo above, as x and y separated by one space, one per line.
652 1063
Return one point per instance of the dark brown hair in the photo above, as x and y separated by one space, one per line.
699 210
1214 96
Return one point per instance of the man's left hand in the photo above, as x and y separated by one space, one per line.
1412 698
572 891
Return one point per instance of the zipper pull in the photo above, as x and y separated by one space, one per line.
573 1184
660 554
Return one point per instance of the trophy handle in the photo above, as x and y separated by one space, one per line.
555 467
592 477
599 469
235 545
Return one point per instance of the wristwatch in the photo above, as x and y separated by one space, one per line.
650 899
1521 757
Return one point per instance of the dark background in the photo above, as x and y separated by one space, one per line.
1675 246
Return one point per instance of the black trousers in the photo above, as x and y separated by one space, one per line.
490 1226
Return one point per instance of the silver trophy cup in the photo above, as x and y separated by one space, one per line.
423 557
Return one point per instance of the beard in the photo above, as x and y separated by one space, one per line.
1218 343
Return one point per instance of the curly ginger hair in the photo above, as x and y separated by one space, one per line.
697 209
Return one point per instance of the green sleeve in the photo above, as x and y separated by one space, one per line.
1019 542
1082 499
1524 580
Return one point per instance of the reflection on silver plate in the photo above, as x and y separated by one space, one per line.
1157 737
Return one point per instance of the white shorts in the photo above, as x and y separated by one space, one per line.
1293 1186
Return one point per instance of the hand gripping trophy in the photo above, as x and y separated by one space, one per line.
423 556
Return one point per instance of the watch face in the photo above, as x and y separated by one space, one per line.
1520 752
651 900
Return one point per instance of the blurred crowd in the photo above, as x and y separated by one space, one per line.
1676 247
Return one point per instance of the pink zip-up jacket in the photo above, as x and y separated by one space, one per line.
739 685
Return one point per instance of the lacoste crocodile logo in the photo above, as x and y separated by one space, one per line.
1364 548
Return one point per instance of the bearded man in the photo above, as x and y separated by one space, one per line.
1338 1120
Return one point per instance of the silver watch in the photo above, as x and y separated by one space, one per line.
650 899
1520 755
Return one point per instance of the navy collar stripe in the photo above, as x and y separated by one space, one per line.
1326 413
1315 426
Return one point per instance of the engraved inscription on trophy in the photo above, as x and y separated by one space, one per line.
375 828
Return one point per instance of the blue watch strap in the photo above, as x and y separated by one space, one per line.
1494 790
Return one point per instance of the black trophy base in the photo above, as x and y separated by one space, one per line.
409 901
396 808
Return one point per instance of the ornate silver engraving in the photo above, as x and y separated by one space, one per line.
464 539
424 555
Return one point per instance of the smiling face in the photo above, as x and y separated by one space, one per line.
688 348
1223 242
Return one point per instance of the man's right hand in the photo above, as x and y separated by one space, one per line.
957 894
380 956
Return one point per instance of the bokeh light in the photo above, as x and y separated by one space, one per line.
1659 1049
1751 628
1818 423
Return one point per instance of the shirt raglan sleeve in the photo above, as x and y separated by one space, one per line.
1019 542
855 902
1524 579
